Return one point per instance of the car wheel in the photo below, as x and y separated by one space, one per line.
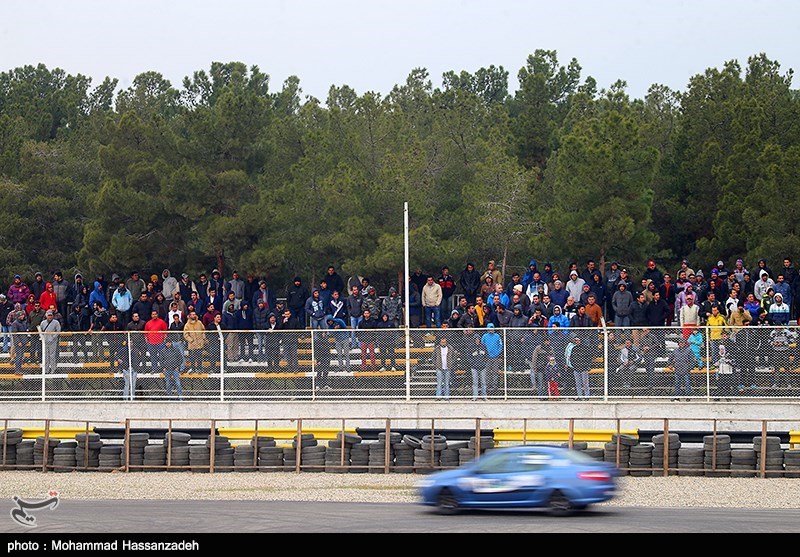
559 504
447 503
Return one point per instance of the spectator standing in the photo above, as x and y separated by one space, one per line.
335 282
431 303
169 285
470 282
448 286
493 344
135 285
296 296
155 334
63 291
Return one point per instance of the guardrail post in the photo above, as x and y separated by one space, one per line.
525 431
571 433
169 444
665 465
763 466
341 447
386 445
213 446
127 445
299 446
477 438
47 445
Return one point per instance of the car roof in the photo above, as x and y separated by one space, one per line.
528 448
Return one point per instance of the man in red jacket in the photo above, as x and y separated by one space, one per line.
155 331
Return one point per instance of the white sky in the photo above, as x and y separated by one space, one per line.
372 45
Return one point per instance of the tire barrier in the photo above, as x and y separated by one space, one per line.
95 446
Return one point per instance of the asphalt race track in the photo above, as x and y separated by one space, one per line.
110 516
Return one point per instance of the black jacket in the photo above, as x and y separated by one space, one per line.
296 297
657 313
470 282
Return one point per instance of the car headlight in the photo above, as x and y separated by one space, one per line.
422 484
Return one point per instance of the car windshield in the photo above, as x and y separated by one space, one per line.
514 461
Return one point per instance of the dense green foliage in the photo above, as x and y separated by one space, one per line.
225 172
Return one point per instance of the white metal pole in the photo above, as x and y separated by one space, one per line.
221 366
407 305
129 371
505 365
313 368
708 365
44 362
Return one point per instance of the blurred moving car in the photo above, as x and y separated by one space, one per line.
529 476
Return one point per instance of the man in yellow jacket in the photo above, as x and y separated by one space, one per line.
717 324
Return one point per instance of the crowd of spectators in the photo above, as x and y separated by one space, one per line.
543 297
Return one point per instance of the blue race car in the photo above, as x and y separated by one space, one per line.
522 477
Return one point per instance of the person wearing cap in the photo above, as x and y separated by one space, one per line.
685 268
186 286
493 344
18 292
494 272
296 296
264 294
653 273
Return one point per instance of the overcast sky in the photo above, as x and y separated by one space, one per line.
372 45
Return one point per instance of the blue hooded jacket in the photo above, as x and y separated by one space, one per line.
528 278
98 296
492 342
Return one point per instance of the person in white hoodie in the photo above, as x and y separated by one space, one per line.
763 284
575 285
169 285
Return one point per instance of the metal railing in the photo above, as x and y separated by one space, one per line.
409 364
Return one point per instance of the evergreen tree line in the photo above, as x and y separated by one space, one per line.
227 172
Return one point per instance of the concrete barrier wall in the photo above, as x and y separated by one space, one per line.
734 416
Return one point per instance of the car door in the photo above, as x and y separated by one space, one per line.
510 479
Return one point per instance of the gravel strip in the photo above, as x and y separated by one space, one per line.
374 488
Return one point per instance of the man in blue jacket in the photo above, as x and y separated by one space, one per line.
493 344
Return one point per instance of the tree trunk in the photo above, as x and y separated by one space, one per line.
221 262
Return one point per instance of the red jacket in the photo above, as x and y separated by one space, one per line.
153 331
48 298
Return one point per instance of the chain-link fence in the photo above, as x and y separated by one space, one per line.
470 364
